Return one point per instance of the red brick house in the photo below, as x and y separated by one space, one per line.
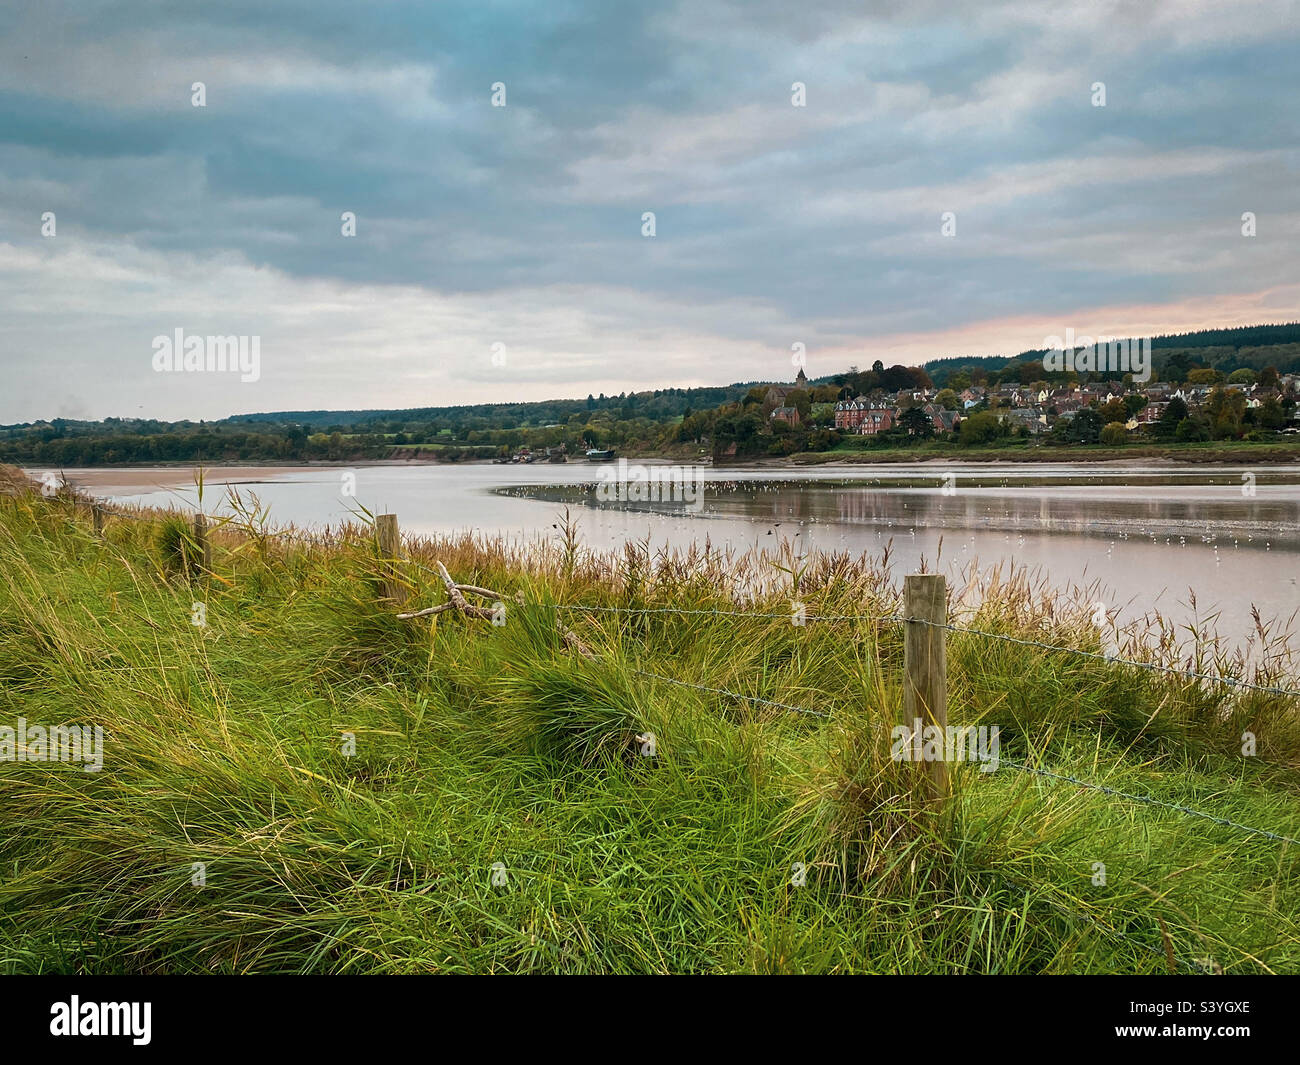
879 418
864 416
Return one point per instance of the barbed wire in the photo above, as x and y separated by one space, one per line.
1147 799
1112 659
789 616
1047 774
1022 641
1101 788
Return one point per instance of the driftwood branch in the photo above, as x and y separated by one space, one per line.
487 593
426 612
456 601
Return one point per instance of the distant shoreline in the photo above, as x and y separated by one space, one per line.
1259 454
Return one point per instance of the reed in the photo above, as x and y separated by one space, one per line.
347 781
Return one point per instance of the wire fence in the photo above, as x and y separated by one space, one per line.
1103 789
1173 959
1110 659
799 617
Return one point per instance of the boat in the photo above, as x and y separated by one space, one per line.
596 455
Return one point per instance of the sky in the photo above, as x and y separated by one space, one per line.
896 181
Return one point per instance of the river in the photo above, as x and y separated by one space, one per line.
1136 538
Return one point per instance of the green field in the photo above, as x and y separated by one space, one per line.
227 761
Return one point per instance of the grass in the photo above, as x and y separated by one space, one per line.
858 449
228 745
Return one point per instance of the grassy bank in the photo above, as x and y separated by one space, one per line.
1238 452
478 744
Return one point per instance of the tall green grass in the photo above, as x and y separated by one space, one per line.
477 745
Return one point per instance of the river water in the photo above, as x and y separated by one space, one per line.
1137 538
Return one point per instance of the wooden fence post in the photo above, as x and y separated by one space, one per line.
389 539
201 542
925 681
97 518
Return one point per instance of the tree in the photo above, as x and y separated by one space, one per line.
1166 425
981 428
798 399
1084 427
1225 409
916 423
1113 410
1244 376
947 399
1270 414
1114 434
1175 368
1193 429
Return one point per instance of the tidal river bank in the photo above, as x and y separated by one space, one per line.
1205 548
295 779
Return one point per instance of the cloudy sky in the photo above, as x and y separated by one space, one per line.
481 225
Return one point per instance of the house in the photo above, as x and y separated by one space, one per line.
1150 414
789 415
864 416
880 419
778 394
849 414
944 421
1035 421
1063 399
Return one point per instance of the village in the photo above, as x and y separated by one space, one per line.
1213 407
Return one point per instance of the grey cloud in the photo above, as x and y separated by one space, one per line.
824 220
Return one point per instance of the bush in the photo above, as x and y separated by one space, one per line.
1114 433
981 428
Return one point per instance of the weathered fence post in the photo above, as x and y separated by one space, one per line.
202 545
389 540
97 518
925 681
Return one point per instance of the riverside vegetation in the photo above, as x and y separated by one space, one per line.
232 829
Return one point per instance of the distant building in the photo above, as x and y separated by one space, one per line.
849 414
1150 414
789 415
879 418
1025 418
944 421
778 394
